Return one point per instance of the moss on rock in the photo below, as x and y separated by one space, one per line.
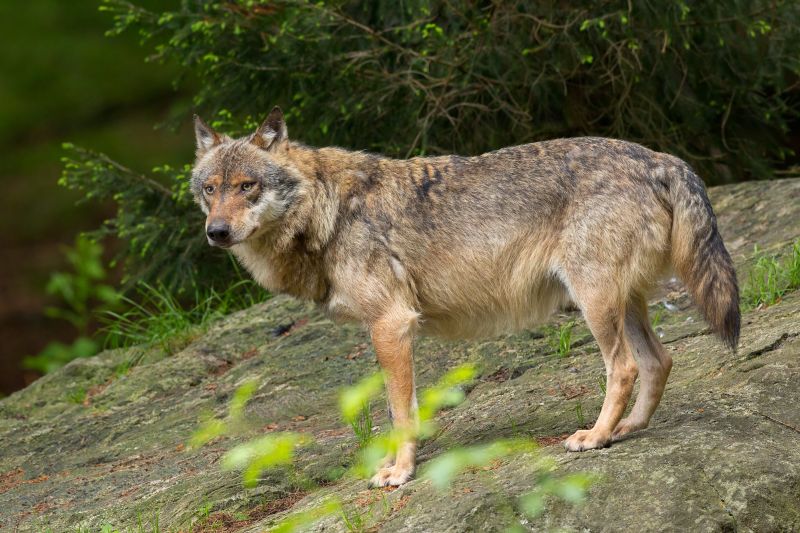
92 445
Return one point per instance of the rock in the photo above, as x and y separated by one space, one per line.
92 444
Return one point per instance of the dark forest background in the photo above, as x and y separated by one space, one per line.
717 83
62 79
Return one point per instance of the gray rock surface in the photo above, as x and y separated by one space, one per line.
90 445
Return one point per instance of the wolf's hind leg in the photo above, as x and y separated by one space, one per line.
606 322
392 336
654 366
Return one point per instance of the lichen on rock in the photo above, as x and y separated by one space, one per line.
88 445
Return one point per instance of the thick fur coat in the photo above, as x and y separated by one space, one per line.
472 246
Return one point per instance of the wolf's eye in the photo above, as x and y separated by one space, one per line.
209 189
247 186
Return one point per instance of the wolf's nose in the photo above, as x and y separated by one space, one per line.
218 232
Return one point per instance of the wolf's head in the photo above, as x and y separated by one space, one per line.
244 186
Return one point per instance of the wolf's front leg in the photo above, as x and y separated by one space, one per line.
392 336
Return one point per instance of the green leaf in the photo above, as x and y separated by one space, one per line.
443 469
208 431
301 520
352 399
532 504
240 399
266 452
573 487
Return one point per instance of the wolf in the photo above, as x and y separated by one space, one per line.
472 246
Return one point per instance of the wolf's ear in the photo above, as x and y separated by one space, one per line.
207 138
272 131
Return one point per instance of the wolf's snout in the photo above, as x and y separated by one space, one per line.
219 232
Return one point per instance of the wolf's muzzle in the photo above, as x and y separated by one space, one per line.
219 233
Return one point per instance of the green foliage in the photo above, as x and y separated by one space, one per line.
77 396
362 425
252 457
260 454
711 82
354 404
57 354
209 430
356 520
240 399
443 469
762 285
770 277
300 521
277 449
204 512
212 428
352 399
579 414
447 392
78 289
657 318
157 316
81 292
560 338
160 227
571 488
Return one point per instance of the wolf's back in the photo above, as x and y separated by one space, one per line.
700 258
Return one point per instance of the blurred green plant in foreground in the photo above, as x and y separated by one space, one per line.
278 449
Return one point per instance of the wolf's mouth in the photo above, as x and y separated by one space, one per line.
224 245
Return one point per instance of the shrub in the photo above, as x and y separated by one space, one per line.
80 292
712 82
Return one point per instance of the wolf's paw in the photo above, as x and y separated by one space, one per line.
625 426
392 476
587 439
386 462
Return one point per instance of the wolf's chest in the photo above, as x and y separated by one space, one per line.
290 274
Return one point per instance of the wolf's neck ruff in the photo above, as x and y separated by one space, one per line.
289 256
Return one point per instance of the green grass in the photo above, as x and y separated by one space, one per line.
203 512
657 318
278 450
357 521
158 317
601 382
362 425
579 414
771 277
560 338
77 396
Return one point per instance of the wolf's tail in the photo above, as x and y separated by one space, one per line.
700 257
